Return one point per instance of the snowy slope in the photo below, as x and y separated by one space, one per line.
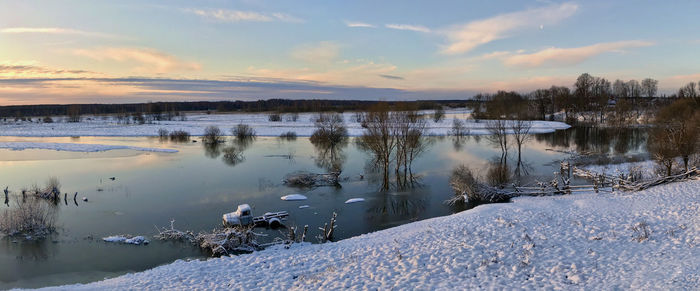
195 125
580 241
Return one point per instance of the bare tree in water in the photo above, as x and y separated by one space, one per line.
521 133
498 134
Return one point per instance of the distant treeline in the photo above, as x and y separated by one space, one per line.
277 105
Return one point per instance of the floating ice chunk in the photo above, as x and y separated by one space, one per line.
304 206
293 197
137 240
354 200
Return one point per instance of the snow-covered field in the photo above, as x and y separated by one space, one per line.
581 241
76 147
196 123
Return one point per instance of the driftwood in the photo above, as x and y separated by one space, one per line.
306 179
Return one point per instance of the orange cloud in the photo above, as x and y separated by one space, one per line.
149 60
569 56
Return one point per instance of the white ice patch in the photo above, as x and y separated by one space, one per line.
304 206
76 147
354 200
293 197
136 240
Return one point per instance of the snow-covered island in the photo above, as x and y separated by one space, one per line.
195 124
643 240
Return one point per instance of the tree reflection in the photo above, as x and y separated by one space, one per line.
407 205
232 156
498 172
212 150
330 156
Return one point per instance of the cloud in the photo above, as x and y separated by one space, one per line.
410 27
226 15
53 30
322 52
391 77
149 60
31 69
569 56
120 90
466 37
358 24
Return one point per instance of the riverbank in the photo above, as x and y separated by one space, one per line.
642 240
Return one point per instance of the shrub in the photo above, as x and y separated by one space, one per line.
330 129
439 114
31 217
163 133
274 117
180 136
289 135
242 131
212 134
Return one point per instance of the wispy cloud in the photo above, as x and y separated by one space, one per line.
149 60
31 69
359 24
391 77
54 30
410 27
226 15
466 37
569 56
322 52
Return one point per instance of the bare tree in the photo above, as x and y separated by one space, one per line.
620 89
458 128
678 123
378 137
649 87
521 133
498 134
635 89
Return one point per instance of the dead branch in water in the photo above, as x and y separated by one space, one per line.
218 242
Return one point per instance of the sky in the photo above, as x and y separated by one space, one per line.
94 51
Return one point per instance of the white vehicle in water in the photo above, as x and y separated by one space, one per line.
243 216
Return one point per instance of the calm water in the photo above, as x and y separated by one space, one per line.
197 185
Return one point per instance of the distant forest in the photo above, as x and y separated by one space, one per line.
277 105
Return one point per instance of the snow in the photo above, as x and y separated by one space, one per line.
136 240
580 241
76 147
646 168
293 197
354 200
304 206
196 123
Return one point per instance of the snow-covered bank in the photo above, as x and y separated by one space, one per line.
581 241
196 123
76 147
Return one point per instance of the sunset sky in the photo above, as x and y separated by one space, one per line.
134 51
